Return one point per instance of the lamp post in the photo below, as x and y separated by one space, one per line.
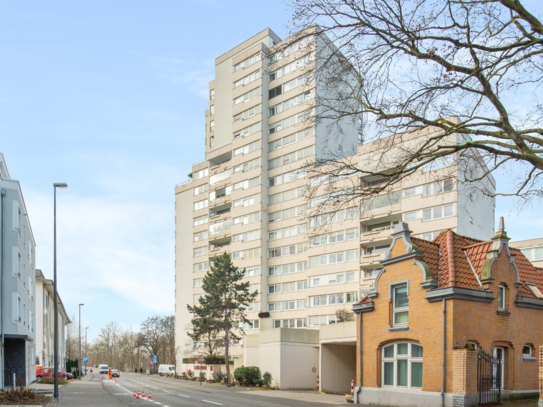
86 349
79 364
55 337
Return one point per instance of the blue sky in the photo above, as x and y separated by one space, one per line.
109 96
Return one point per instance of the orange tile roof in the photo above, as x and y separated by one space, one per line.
447 256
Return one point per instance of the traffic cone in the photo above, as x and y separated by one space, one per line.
134 393
143 395
149 398
138 396
115 381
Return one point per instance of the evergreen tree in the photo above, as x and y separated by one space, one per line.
223 305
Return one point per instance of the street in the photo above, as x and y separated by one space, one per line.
96 390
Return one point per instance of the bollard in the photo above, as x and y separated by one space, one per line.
352 387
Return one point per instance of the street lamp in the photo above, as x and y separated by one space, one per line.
86 349
80 305
55 337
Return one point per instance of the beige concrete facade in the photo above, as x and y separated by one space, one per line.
248 199
532 249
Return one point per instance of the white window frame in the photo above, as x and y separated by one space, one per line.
394 359
397 310
502 298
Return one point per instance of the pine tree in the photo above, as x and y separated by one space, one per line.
223 305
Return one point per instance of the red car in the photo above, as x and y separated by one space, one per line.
49 371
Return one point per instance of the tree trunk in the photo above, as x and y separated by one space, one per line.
226 346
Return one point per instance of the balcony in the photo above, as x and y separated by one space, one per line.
377 235
219 247
369 259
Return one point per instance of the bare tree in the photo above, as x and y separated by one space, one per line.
151 336
344 315
465 72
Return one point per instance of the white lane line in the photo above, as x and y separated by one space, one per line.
212 402
182 395
153 387
168 391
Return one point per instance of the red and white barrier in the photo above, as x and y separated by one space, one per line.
352 387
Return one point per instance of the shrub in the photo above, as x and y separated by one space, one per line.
219 376
267 379
20 395
214 360
202 376
190 373
185 360
183 374
259 383
247 375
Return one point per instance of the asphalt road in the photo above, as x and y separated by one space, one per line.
96 390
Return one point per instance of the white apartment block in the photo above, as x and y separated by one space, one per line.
248 198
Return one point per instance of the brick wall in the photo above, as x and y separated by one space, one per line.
464 371
540 375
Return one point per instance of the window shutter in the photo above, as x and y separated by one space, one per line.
15 220
15 260
14 306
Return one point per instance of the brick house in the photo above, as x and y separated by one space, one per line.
434 306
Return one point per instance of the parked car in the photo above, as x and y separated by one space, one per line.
103 369
49 372
115 373
166 370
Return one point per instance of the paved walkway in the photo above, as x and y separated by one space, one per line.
88 392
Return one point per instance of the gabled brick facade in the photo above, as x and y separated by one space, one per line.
444 296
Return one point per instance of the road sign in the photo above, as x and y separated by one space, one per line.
86 360
201 359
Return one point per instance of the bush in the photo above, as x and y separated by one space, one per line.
50 380
20 395
190 373
219 376
267 379
183 374
214 360
202 376
259 383
185 360
247 375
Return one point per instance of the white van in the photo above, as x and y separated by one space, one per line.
166 370
103 369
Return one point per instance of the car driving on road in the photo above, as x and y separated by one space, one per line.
103 369
115 373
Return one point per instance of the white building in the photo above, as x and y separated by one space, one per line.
45 324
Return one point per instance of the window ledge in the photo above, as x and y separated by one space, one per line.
503 313
398 329
529 359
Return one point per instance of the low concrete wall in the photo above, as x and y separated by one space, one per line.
403 398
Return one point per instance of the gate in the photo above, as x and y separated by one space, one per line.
489 374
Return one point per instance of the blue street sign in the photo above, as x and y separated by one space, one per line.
154 358
86 360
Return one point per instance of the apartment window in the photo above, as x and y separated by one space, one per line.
351 297
274 92
287 104
293 138
501 298
381 201
197 282
247 254
274 306
402 365
17 260
249 165
248 148
274 289
247 131
247 79
352 234
352 255
250 200
437 212
248 62
212 110
371 273
526 350
437 187
248 96
246 219
200 267
199 236
201 204
212 94
274 271
248 113
400 304
291 323
350 276
251 271
200 174
289 121
252 324
294 305
294 267
317 320
253 307
200 251
327 279
201 189
196 298
290 67
247 236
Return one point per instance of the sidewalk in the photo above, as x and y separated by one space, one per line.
87 392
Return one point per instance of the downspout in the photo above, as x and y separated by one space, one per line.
444 361
2 284
358 390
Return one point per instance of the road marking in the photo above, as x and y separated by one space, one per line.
153 387
168 391
212 402
182 395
